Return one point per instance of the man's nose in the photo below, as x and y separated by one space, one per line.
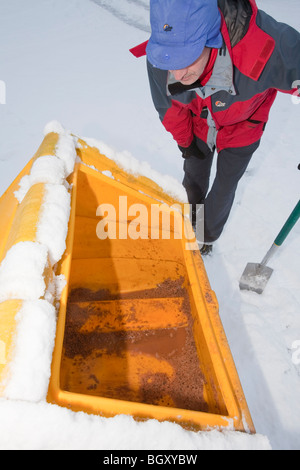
179 74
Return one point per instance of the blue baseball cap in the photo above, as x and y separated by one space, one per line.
180 29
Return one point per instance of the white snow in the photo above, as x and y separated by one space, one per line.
32 356
53 224
132 165
21 272
67 64
49 169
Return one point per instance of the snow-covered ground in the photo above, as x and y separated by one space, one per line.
69 61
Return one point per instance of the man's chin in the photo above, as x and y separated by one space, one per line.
190 81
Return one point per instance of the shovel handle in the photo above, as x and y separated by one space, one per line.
291 221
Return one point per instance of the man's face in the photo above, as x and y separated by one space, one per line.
191 73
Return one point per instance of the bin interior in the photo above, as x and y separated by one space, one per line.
132 329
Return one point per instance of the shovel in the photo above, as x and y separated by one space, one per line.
256 275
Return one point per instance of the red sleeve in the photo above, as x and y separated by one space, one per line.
178 121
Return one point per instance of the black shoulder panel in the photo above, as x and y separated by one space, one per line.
237 14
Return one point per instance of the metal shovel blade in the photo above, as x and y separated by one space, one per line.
255 277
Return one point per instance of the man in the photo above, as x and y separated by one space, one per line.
214 71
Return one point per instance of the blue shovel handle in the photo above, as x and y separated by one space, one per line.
291 221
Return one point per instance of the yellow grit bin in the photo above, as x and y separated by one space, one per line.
138 326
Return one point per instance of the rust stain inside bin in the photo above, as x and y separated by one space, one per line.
138 328
135 349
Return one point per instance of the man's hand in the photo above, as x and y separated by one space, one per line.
192 151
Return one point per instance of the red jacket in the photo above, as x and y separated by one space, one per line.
259 57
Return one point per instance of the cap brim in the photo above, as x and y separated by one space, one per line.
174 57
215 42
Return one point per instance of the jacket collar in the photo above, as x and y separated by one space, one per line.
222 76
